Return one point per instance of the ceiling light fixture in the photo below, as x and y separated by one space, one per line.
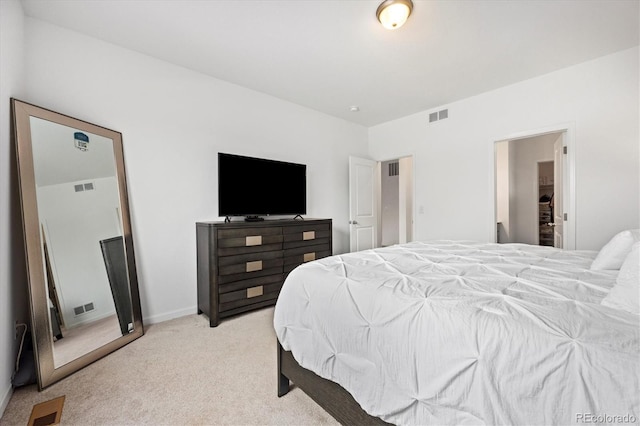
392 14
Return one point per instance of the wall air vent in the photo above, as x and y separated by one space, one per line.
438 115
84 187
79 310
394 168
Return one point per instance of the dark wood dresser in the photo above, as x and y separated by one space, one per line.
242 265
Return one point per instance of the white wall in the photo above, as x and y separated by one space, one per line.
174 122
13 290
453 160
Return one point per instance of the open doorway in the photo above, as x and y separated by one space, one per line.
396 201
380 197
546 201
529 189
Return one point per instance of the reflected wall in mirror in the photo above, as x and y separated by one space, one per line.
82 279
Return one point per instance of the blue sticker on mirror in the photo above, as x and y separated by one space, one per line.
81 141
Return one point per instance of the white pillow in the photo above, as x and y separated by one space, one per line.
615 251
626 293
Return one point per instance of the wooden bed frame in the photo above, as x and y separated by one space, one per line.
327 394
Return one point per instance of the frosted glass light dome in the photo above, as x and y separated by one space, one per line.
392 14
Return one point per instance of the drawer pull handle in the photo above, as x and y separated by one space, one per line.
309 235
254 240
254 266
309 257
255 291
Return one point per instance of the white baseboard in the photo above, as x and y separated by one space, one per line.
5 399
170 315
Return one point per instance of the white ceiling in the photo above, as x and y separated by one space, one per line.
331 54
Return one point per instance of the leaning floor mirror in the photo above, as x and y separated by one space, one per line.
82 280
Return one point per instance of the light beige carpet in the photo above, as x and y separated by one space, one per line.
181 372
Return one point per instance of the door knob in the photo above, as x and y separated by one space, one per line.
353 222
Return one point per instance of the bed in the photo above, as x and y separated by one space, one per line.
459 332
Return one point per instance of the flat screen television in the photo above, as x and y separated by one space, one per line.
256 187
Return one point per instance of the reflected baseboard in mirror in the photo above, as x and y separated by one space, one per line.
83 287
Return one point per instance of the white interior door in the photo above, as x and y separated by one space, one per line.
558 208
363 204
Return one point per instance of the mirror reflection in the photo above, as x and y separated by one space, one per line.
82 234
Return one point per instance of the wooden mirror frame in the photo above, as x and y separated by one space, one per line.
47 374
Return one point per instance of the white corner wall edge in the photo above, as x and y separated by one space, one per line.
12 84
5 400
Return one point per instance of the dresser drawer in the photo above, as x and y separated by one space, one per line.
295 257
250 267
246 269
307 243
249 241
242 232
293 262
223 279
244 295
239 241
304 227
238 259
251 282
250 295
311 248
232 251
306 232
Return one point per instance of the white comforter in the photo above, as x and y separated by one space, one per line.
466 333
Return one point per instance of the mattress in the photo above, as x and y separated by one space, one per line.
458 332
